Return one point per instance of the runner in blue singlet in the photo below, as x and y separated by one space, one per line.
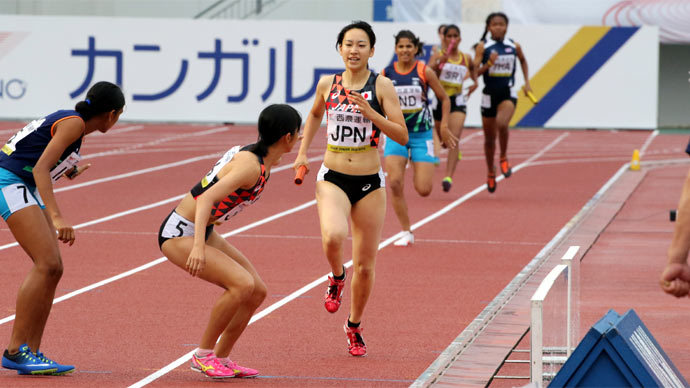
496 59
30 162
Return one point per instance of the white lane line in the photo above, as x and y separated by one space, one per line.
161 372
479 323
117 131
113 216
304 237
137 172
149 206
647 142
114 130
474 192
163 259
155 142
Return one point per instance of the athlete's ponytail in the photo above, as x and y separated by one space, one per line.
275 121
102 97
413 39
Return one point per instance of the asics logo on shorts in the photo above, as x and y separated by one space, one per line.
366 187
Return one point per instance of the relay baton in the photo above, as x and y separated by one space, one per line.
299 176
532 97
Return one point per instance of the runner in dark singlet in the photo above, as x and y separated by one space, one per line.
360 105
496 59
188 240
30 162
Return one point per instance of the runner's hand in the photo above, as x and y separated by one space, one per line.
301 160
471 89
76 171
65 231
447 137
675 279
196 261
493 56
364 107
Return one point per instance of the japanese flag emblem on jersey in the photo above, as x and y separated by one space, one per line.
366 95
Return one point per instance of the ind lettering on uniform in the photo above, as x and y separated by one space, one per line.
410 98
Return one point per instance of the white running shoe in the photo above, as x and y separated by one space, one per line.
405 240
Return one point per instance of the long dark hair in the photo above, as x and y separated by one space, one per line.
488 20
275 121
362 25
451 27
102 97
413 38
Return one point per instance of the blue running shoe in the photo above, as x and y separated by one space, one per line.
26 363
61 369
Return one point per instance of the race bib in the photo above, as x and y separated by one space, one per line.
486 101
68 163
348 132
503 67
18 196
225 159
177 226
410 98
236 210
430 148
452 73
460 100
11 144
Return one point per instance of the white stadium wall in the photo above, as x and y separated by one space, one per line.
168 68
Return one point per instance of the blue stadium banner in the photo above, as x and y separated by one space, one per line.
383 10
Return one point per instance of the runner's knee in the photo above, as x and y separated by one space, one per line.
423 189
50 266
396 186
242 288
260 292
333 239
363 271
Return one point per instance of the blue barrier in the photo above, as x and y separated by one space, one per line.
619 351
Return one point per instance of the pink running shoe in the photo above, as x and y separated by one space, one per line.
334 293
355 342
240 371
211 367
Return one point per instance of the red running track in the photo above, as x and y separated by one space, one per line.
119 333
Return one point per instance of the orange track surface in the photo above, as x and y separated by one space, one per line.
119 333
